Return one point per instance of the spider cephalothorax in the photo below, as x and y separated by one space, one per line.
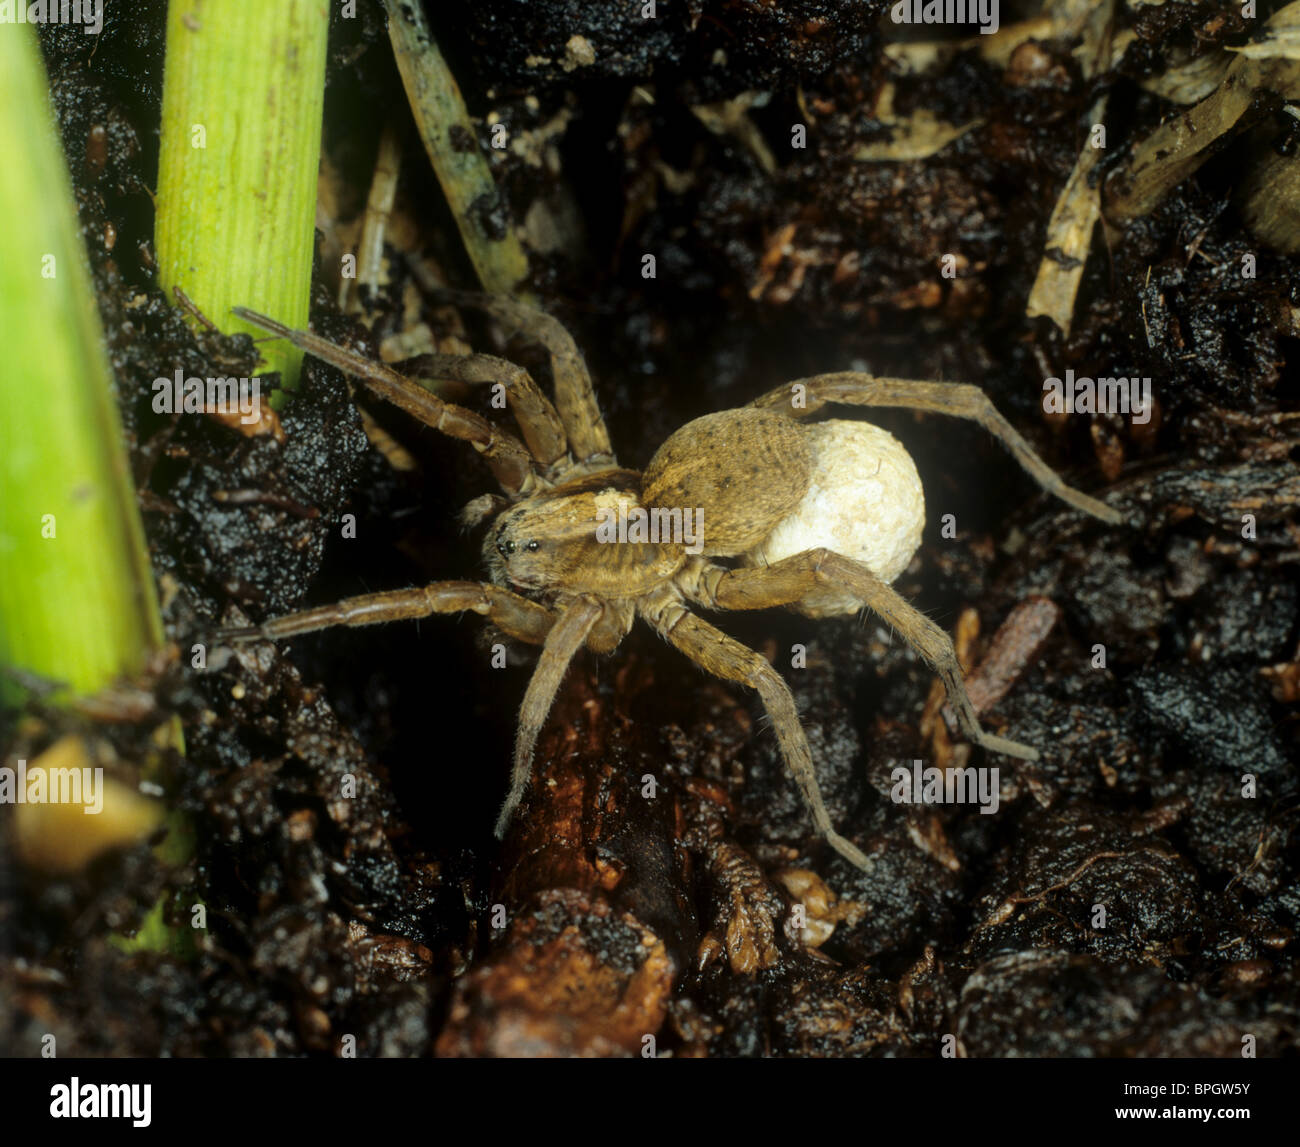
548 544
815 517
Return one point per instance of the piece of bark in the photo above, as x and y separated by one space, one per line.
1014 646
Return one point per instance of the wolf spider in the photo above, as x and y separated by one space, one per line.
555 583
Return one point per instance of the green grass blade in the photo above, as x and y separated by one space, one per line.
77 599
76 591
243 94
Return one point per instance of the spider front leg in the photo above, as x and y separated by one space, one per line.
509 461
961 400
725 657
574 395
538 421
792 579
565 638
516 616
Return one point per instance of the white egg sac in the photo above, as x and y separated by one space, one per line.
864 501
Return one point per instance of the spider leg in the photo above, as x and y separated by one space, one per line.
504 453
790 580
961 400
538 422
565 638
727 658
516 616
574 395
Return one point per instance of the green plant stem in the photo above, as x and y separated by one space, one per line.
76 591
243 94
77 599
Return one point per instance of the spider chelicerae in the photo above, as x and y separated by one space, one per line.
740 510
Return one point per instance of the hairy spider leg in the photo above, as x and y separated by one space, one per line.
505 455
728 659
515 616
565 638
792 579
538 421
961 400
574 395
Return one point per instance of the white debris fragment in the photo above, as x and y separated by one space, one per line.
578 53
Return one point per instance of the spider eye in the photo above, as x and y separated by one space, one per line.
505 547
533 547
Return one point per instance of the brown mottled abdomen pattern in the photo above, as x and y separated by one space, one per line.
745 469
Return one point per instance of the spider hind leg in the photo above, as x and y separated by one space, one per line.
792 579
960 400
728 659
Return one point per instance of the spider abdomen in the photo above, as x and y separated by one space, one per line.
742 470
864 500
